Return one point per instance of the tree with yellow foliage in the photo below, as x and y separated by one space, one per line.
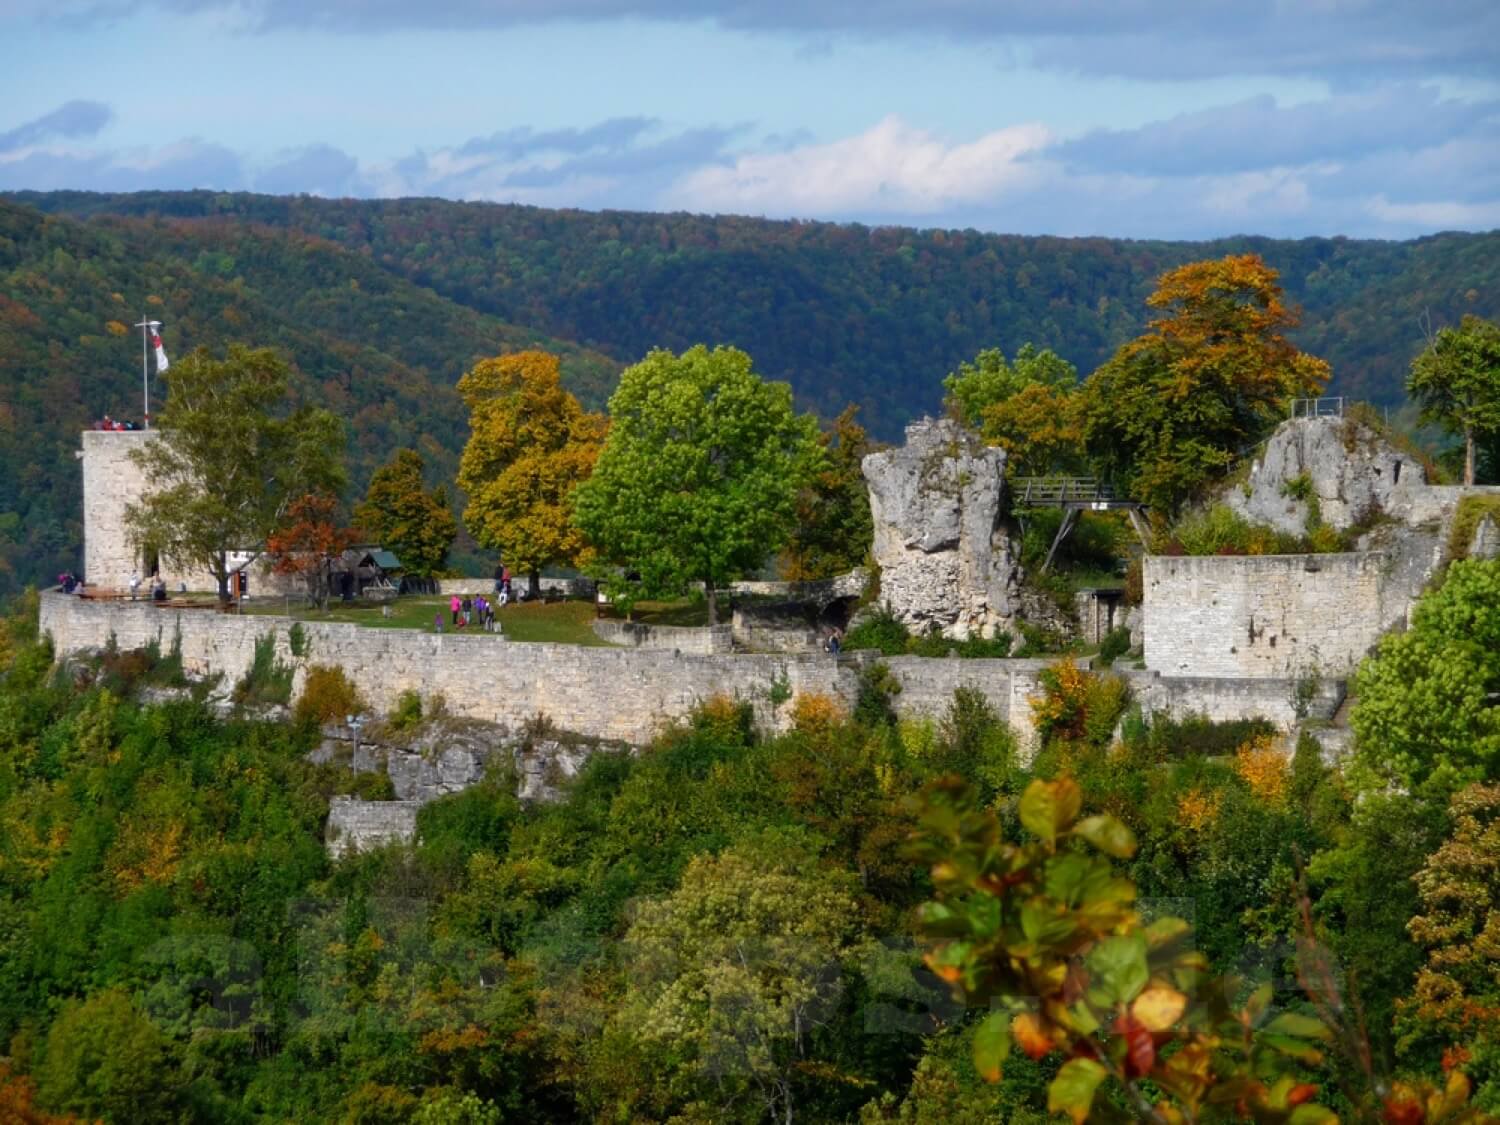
1174 408
530 444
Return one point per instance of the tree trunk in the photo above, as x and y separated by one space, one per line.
713 601
1468 455
221 574
534 584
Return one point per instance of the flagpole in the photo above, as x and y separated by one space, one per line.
146 325
145 374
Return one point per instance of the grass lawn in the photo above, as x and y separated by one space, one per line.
568 622
691 612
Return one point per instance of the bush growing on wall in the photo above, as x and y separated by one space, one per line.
328 696
1076 705
268 681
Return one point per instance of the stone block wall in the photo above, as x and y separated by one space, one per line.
759 634
704 641
1262 616
1225 699
355 825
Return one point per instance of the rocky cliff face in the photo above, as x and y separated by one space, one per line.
1349 467
944 558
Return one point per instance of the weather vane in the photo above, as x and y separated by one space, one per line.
150 339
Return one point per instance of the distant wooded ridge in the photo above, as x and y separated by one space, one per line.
844 312
382 304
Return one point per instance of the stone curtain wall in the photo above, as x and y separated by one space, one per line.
568 587
1262 616
626 695
623 694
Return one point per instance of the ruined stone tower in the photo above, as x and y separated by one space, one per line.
111 480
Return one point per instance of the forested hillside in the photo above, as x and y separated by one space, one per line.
728 926
382 353
850 313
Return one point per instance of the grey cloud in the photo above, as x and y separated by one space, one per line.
71 119
1153 39
317 169
1257 133
1462 170
690 148
189 164
513 144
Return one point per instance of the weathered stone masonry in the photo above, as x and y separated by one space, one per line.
111 480
626 695
1264 615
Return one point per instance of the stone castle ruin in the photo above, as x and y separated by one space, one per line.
1224 637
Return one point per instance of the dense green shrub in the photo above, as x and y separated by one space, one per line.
408 711
1116 644
882 631
1200 735
878 688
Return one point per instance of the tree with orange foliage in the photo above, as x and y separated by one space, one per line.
17 1094
1456 1001
530 445
311 537
1175 408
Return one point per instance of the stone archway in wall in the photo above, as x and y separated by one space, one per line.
837 612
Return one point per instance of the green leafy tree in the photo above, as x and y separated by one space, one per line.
1425 711
739 966
833 529
530 446
229 458
405 518
1172 409
989 379
699 477
1047 936
104 1058
1456 380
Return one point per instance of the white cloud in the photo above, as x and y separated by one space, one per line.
892 167
1437 215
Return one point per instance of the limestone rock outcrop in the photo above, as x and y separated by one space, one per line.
1349 466
944 557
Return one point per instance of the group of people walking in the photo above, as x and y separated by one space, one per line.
469 611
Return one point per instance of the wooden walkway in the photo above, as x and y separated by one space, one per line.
1074 495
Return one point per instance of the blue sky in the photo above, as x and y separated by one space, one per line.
1136 118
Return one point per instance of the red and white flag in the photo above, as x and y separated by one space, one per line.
161 352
